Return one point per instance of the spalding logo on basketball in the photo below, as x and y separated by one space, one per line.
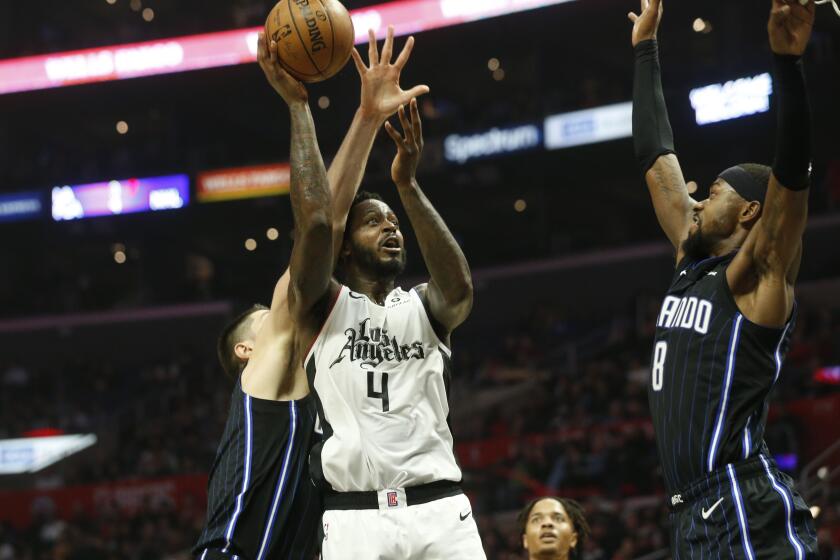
314 37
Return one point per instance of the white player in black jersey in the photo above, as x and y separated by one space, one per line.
378 360
261 502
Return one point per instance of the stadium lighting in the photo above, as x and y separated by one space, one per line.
732 100
29 455
228 48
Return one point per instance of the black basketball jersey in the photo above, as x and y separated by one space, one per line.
261 500
711 373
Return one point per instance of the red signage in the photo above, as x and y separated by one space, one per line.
226 48
126 496
243 182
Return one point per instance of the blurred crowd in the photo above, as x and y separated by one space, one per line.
573 415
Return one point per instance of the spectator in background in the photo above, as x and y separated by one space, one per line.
553 529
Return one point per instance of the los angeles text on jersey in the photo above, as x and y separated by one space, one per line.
685 313
375 346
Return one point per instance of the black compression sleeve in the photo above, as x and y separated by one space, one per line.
652 134
792 166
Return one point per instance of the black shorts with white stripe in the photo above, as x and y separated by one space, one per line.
744 511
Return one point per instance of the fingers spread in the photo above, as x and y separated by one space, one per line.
405 53
360 64
388 48
272 52
373 52
415 121
406 125
416 91
393 134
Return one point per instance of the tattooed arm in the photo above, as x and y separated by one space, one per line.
307 279
311 264
449 294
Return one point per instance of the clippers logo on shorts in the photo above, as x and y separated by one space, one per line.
685 313
393 501
372 347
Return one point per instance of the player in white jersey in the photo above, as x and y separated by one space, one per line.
378 361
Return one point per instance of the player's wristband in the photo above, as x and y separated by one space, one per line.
652 134
792 166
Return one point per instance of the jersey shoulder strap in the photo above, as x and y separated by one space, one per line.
428 322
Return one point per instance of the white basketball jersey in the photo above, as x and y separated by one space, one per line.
381 375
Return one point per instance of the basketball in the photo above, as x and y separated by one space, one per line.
314 37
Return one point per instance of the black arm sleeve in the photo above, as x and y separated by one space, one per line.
792 166
652 134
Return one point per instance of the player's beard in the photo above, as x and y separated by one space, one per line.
370 260
697 245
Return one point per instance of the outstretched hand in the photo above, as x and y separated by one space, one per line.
409 146
291 90
646 23
790 26
381 92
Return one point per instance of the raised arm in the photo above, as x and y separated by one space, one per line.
449 293
311 263
381 97
764 272
653 138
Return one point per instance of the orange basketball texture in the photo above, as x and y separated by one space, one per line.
314 37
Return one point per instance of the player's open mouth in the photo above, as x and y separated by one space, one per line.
548 537
392 245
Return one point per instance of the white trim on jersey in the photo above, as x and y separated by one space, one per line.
281 481
379 377
727 385
443 344
247 475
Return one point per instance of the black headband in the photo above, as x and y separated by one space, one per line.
744 184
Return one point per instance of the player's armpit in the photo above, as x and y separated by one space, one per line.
435 310
763 272
778 233
671 200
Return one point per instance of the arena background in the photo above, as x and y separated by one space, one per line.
108 324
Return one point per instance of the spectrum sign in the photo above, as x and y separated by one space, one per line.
589 126
126 196
227 48
243 182
496 141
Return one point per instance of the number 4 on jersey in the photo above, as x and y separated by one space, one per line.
383 394
658 369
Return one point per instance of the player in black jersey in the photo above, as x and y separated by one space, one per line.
262 503
723 329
